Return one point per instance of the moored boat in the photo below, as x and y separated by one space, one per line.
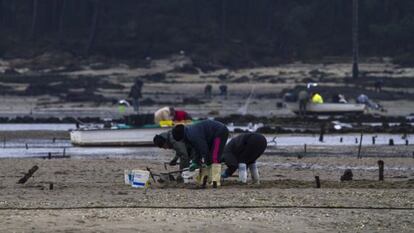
330 108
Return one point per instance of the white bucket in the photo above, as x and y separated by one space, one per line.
189 177
140 178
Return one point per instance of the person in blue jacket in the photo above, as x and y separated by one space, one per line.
208 139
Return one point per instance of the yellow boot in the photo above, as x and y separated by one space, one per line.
202 176
215 174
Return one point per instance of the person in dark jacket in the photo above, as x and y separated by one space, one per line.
208 139
135 94
242 152
303 98
183 151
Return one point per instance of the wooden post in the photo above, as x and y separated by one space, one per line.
360 145
28 175
54 140
406 142
391 142
356 140
49 155
152 175
373 140
381 170
64 151
304 152
50 186
341 140
318 182
27 147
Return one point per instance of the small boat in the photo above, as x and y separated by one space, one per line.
120 134
330 108
115 137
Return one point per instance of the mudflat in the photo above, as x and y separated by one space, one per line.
89 195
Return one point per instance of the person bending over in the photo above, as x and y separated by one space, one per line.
241 153
183 151
208 139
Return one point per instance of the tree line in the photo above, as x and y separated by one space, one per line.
228 32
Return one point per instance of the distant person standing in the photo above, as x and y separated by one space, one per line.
223 90
208 89
303 98
378 85
135 94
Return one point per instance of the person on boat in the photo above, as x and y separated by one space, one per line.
180 115
170 114
339 98
363 99
378 85
223 91
135 94
164 114
208 138
317 98
241 153
303 98
183 151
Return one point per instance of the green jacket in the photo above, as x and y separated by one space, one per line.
183 151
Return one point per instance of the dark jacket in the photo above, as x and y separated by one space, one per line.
201 136
136 90
244 148
183 151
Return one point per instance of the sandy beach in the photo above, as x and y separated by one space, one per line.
89 195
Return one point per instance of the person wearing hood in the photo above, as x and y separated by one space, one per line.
317 98
241 153
208 139
183 151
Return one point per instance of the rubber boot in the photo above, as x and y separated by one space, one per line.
254 172
215 174
243 173
202 176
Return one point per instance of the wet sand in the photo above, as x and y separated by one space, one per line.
89 195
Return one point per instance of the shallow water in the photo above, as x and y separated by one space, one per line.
41 147
315 166
335 140
33 147
41 126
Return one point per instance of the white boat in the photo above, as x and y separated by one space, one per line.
330 108
115 137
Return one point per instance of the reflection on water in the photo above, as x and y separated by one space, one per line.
314 166
337 140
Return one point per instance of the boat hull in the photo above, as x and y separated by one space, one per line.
330 108
115 137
